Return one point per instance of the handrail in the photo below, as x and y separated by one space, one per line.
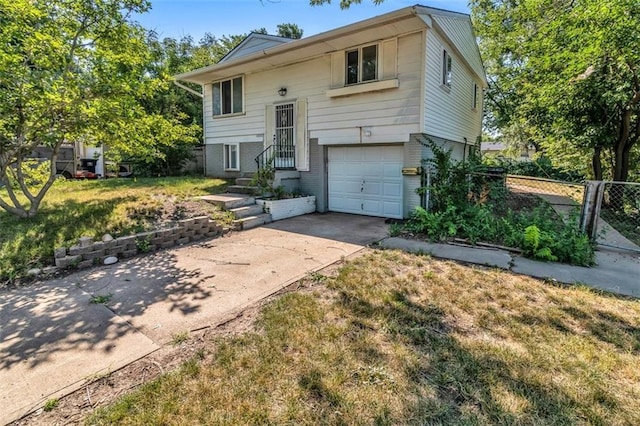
278 156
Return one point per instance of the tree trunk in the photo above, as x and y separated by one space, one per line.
596 162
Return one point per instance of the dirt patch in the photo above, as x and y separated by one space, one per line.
163 211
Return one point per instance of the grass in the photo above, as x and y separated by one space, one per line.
101 299
546 186
77 208
50 404
395 338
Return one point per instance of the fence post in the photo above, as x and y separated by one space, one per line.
589 214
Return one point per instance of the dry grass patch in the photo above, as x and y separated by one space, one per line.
395 338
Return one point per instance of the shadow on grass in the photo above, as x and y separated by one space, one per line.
464 381
30 242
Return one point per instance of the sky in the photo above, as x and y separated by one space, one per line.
177 18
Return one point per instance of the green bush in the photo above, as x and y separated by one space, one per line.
471 205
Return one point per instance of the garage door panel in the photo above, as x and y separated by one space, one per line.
392 190
366 180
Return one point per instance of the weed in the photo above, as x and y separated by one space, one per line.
143 244
179 338
51 404
318 277
101 299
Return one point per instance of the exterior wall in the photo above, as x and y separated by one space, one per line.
214 160
388 115
314 182
448 111
413 155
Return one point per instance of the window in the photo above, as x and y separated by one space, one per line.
231 157
446 69
475 96
227 97
362 64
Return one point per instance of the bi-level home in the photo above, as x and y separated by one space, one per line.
340 114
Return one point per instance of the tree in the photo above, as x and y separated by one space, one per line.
290 31
344 4
73 71
564 76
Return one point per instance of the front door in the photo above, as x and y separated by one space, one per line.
285 156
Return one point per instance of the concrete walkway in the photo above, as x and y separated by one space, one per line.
53 340
615 271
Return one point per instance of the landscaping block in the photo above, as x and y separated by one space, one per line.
85 242
168 244
201 220
93 255
129 253
184 240
127 241
60 252
186 222
68 261
188 234
77 250
99 245
86 264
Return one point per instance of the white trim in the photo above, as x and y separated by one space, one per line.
363 88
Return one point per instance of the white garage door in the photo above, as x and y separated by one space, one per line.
366 180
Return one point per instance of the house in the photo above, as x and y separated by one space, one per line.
340 114
501 149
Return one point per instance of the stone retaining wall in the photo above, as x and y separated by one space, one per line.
91 253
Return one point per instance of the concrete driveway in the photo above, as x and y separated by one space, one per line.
52 339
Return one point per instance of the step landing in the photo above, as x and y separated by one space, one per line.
229 200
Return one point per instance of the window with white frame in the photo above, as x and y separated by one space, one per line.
475 100
362 64
227 96
447 72
232 156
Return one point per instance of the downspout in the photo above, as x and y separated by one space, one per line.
204 122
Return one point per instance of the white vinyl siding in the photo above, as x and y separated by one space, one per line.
391 114
447 113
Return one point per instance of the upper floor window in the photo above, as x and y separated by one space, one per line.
476 96
227 96
362 64
447 73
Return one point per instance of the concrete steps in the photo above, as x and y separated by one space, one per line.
243 189
241 202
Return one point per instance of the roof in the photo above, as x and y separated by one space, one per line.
253 43
388 25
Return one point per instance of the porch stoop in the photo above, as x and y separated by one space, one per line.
242 204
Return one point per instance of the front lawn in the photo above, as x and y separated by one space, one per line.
93 208
396 338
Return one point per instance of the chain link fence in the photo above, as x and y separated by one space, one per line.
618 215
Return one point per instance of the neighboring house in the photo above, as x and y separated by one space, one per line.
340 113
501 149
